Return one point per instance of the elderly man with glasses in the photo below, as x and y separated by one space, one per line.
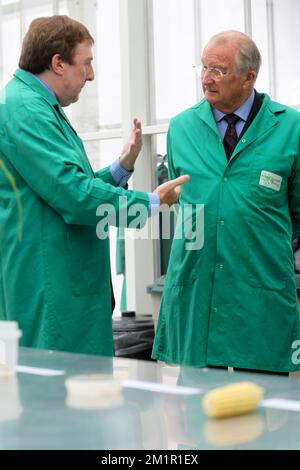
232 301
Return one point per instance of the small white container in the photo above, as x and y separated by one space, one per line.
9 342
11 408
93 391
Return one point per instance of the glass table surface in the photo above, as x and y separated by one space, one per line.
159 407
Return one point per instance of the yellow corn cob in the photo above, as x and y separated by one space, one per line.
233 399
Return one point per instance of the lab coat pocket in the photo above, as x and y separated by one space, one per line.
183 264
269 244
269 176
187 246
268 258
85 267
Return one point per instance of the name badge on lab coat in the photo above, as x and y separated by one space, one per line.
270 180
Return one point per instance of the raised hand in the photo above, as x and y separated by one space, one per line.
133 147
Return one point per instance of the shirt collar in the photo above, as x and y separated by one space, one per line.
242 112
43 83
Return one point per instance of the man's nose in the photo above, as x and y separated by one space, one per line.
207 78
91 75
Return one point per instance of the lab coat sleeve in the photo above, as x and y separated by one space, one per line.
294 195
105 175
53 167
171 169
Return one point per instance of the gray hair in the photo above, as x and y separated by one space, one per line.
248 56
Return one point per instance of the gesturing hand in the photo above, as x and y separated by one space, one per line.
169 192
133 147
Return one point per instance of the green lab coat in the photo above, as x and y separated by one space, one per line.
56 281
233 302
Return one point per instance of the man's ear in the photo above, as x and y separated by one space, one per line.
58 64
250 78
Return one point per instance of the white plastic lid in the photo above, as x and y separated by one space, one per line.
8 325
93 385
9 330
10 334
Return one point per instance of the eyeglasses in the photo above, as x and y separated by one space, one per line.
216 73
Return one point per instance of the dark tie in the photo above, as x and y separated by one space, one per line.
230 138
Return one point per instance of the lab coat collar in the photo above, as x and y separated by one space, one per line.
39 88
35 85
265 119
204 112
